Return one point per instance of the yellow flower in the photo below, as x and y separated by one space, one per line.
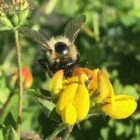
74 94
115 106
73 104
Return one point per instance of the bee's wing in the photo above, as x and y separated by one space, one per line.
73 27
35 36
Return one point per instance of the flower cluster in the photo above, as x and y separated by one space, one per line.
13 13
88 90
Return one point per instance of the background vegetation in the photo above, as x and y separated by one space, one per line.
110 40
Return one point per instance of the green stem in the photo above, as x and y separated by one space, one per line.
96 27
67 133
5 104
60 128
20 96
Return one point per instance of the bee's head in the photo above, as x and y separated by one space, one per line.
61 48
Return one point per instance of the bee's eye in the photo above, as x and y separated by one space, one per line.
61 48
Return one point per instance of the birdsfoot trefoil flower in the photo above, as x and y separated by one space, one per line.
87 90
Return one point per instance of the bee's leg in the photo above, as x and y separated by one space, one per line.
68 67
44 64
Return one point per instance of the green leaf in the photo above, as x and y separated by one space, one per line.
40 93
31 112
16 19
121 3
9 120
49 106
9 133
5 28
44 92
1 134
49 109
23 15
6 22
12 135
14 104
127 20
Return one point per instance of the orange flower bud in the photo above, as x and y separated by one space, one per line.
27 78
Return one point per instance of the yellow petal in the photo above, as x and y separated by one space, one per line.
121 107
73 79
81 102
56 82
81 75
105 88
69 115
66 97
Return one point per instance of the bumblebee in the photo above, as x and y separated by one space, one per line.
59 52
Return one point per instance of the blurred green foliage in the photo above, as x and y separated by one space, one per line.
110 40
